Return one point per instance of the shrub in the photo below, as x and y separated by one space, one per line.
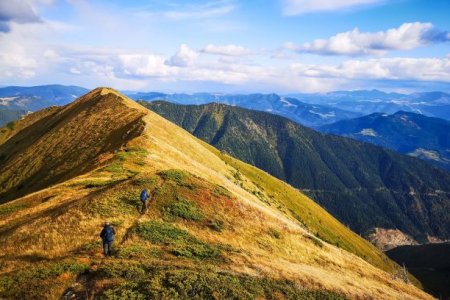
184 209
138 251
128 291
221 191
216 225
127 270
274 233
160 233
179 177
182 242
35 282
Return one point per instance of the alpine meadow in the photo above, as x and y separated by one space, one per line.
224 149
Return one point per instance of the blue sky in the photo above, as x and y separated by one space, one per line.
231 46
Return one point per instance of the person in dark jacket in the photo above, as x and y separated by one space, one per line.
144 198
108 233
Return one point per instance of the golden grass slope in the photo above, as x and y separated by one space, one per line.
64 142
211 215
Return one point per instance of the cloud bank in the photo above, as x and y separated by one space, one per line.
408 36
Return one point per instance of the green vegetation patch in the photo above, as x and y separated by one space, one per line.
182 243
117 202
8 209
274 233
184 209
217 225
179 177
192 284
35 282
138 251
221 191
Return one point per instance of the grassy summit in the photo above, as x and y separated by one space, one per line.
217 228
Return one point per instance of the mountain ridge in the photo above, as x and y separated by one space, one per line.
405 132
216 228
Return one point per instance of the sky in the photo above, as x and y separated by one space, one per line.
227 46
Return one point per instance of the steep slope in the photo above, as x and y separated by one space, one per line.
291 108
38 97
362 185
408 133
212 230
66 142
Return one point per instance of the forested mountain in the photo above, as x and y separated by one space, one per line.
409 133
363 185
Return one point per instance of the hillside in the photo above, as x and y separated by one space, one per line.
364 186
430 263
312 115
216 228
405 132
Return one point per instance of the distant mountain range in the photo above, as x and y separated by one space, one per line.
16 101
9 115
310 115
433 104
363 185
409 133
38 97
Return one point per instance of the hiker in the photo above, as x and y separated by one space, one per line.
107 236
144 198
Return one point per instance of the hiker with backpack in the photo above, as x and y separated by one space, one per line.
144 198
108 233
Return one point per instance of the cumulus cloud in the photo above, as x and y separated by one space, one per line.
184 57
18 11
354 43
227 50
297 7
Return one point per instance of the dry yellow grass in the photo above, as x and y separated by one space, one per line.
258 238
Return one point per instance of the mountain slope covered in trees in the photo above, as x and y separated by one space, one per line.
409 133
363 185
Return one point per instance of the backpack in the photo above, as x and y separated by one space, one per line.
144 195
108 234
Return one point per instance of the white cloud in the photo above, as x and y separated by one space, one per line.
297 7
144 65
227 50
353 43
184 57
420 69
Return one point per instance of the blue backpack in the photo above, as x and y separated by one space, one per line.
108 234
144 195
